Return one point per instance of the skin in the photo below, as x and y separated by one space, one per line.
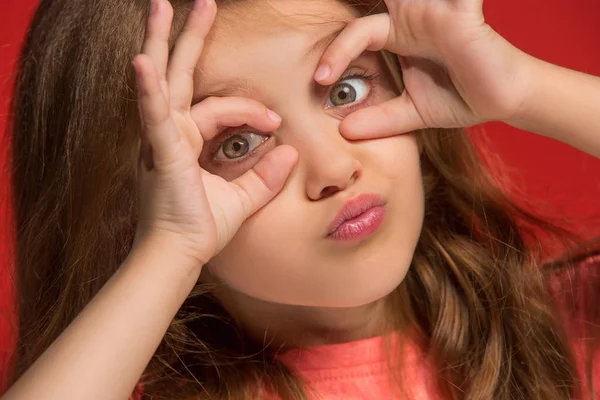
280 271
189 215
459 72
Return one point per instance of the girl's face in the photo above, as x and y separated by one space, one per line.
283 254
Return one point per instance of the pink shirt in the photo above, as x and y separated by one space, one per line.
361 369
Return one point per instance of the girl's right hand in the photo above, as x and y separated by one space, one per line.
181 203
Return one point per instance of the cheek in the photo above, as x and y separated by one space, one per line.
397 162
397 159
267 256
279 254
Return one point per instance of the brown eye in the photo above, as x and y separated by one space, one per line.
347 92
239 145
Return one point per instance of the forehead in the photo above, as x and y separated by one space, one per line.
250 36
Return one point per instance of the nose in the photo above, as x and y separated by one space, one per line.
331 166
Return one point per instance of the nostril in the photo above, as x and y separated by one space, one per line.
328 191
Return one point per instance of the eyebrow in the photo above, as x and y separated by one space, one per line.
322 44
237 85
234 86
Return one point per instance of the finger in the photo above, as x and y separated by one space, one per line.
264 181
216 113
156 41
393 117
156 123
368 33
189 46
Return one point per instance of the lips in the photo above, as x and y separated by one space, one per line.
353 209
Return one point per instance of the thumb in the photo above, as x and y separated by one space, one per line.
264 181
393 117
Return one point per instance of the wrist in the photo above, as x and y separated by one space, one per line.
532 71
171 249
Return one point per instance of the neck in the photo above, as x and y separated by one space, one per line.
289 326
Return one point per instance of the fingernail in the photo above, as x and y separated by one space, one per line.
323 72
198 4
273 116
153 6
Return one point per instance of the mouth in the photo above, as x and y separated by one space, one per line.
358 219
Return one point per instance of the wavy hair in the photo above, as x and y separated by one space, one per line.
474 291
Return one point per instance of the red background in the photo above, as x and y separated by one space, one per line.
551 175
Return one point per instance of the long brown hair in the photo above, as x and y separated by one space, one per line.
473 292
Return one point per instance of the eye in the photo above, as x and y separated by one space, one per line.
238 145
348 91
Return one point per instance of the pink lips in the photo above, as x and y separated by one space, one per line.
358 218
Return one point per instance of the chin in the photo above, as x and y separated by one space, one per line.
358 293
373 284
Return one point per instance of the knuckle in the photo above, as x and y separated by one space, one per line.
355 24
251 107
189 71
245 200
210 119
344 54
263 111
388 113
210 102
155 121
389 117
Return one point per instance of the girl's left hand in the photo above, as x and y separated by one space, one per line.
457 70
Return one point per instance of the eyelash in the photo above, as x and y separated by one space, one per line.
360 75
356 75
217 145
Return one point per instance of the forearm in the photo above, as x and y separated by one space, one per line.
103 353
563 105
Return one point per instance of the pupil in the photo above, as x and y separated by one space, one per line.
344 94
236 147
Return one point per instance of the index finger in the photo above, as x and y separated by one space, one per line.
368 33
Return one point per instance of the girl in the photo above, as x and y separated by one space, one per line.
311 223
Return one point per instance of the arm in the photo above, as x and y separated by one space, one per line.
186 216
103 353
564 105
